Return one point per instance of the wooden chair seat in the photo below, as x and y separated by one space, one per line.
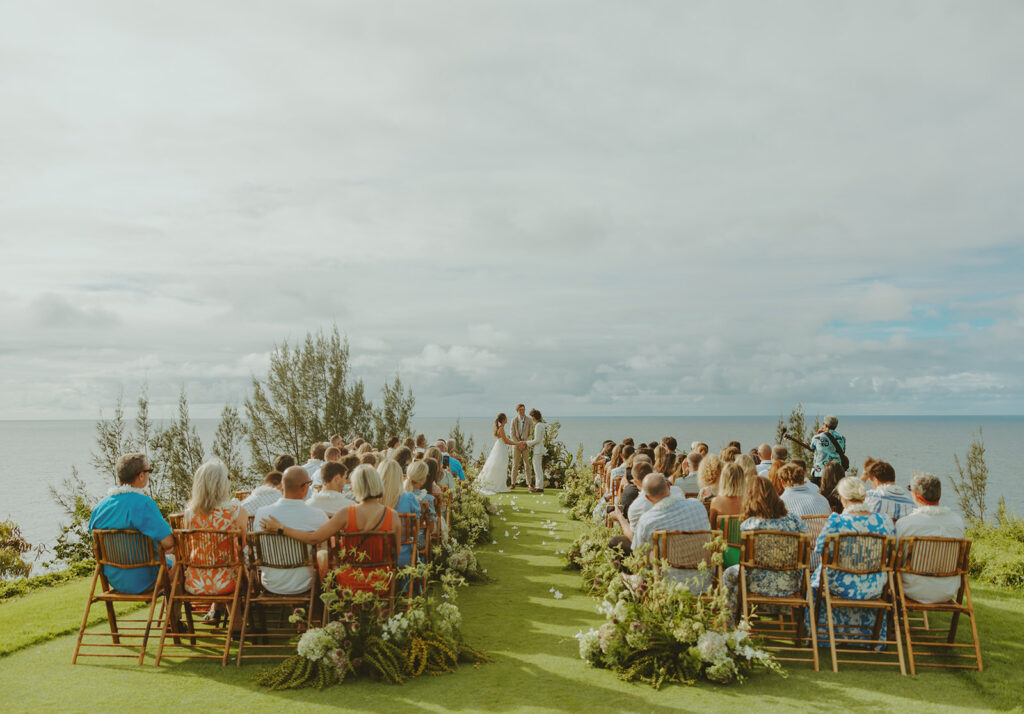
938 558
779 551
128 549
861 554
203 549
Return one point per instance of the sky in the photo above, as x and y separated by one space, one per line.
598 208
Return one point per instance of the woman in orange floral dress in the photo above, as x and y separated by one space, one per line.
212 508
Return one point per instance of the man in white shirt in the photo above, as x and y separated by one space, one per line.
316 458
331 497
687 481
935 521
291 510
265 494
764 452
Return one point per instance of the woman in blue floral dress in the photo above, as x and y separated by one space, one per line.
855 518
763 510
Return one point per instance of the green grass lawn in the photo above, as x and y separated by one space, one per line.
530 635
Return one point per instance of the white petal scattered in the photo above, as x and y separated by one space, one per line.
506 534
558 595
500 551
551 590
494 542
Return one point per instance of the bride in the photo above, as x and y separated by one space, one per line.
493 476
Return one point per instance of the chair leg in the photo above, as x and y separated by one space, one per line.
974 623
812 616
112 621
245 621
906 632
85 617
149 620
827 596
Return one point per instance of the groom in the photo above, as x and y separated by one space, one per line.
538 446
522 429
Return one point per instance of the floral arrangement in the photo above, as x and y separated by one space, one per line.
579 494
471 522
452 556
657 631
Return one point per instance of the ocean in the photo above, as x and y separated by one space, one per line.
40 454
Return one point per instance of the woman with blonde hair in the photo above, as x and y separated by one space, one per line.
729 499
396 497
708 473
747 464
211 507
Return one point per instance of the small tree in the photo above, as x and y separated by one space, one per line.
112 441
972 480
74 543
13 548
394 418
179 451
463 442
796 426
227 446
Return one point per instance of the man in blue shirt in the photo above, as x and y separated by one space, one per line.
128 507
453 463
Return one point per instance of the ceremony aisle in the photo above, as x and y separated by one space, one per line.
520 620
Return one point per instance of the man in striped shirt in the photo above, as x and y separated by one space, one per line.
801 498
885 496
667 513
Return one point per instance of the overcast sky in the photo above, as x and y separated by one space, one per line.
607 208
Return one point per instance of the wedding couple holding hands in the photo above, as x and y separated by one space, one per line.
528 443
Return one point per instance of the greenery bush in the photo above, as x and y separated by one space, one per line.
997 554
23 586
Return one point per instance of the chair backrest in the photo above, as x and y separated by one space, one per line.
814 525
354 548
858 553
208 548
691 494
124 549
775 550
270 550
242 495
730 527
934 557
684 549
176 521
410 528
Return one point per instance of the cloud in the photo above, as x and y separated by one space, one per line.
56 312
468 361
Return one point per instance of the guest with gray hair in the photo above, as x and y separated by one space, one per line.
933 521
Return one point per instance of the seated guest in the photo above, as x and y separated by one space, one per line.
389 448
291 510
763 510
409 443
454 463
127 507
316 458
831 475
857 517
885 496
337 441
765 453
668 513
729 501
283 462
729 454
708 474
701 447
634 477
666 464
266 493
688 481
399 500
331 497
421 444
618 470
637 505
415 482
746 462
369 514
443 477
934 521
801 498
403 456
331 455
211 507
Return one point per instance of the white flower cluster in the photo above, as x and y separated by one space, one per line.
315 643
401 625
590 645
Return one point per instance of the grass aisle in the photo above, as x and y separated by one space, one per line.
529 633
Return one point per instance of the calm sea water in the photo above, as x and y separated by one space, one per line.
40 454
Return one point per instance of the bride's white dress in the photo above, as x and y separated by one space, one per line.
493 476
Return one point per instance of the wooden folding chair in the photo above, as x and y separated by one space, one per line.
272 638
242 495
126 549
730 527
780 551
410 535
348 551
205 549
686 550
814 525
937 558
861 554
176 521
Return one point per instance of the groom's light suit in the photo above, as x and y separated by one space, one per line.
537 445
521 431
